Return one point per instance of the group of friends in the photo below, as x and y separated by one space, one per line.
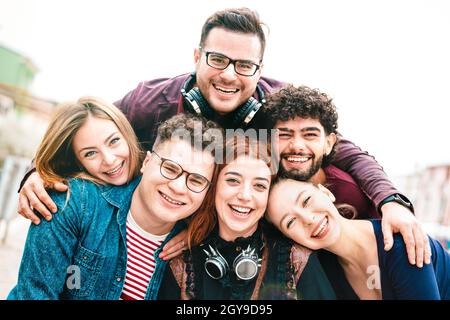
152 198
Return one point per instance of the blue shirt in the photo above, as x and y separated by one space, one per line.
399 279
402 280
81 253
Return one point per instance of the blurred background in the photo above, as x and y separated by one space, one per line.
385 63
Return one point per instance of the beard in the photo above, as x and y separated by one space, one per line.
301 175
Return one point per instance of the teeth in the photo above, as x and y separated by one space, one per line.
297 159
241 209
115 170
321 228
170 199
226 90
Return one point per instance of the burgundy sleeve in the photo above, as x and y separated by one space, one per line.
365 170
31 168
127 104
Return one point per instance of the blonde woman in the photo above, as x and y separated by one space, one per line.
89 139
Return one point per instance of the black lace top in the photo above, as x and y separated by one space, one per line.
279 280
277 274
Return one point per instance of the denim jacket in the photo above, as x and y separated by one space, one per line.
81 253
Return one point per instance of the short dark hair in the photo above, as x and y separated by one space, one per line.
187 124
290 102
241 20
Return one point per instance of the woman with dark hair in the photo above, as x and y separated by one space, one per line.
355 260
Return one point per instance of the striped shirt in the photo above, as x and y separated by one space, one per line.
141 247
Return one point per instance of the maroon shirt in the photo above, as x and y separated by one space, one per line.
346 190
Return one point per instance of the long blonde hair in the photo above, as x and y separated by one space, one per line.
55 160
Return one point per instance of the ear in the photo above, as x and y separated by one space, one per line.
261 67
197 55
147 159
330 142
327 192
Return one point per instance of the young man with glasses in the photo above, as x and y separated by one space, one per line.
228 87
104 243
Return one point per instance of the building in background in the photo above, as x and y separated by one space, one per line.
17 73
23 119
429 190
23 115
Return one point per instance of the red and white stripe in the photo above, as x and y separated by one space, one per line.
141 247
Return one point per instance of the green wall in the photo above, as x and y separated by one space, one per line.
15 69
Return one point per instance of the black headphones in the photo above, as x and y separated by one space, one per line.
245 266
239 118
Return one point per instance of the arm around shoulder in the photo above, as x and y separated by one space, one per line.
366 171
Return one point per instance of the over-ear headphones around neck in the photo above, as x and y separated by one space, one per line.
245 266
239 118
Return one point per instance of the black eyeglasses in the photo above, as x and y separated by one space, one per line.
171 170
221 62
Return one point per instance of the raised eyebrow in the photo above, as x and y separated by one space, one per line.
310 129
233 173
196 175
246 61
86 149
262 179
219 54
238 60
106 141
110 136
285 129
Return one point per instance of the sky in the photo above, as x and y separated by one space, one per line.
386 63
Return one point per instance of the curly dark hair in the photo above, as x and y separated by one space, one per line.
290 102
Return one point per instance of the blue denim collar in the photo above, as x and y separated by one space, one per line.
118 195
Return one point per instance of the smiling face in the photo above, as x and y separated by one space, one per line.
302 143
102 150
305 213
241 196
225 90
161 201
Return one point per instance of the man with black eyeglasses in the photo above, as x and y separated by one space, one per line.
228 87
104 242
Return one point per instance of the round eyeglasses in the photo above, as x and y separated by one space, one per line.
171 170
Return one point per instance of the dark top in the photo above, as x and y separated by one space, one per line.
399 279
276 283
347 191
